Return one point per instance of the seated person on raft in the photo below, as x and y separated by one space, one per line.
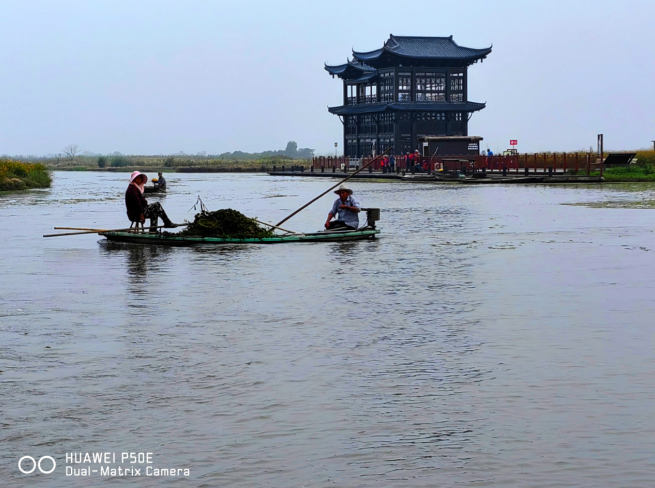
161 182
346 208
138 209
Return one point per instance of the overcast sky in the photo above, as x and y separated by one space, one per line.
159 77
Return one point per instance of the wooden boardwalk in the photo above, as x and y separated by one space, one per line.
490 178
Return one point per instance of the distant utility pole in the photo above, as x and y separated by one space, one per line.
653 145
600 153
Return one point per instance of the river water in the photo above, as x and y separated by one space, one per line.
492 336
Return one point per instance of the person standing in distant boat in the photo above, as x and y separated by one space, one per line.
346 208
137 206
161 182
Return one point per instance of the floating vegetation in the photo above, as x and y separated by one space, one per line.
639 204
226 223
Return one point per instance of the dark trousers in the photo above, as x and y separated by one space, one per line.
154 212
339 224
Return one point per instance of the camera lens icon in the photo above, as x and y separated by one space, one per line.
36 464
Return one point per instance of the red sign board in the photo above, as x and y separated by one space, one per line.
513 142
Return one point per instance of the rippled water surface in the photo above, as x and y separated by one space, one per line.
492 336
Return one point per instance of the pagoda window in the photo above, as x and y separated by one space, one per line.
351 93
368 93
366 147
386 87
429 116
386 123
405 87
385 144
371 93
456 87
430 87
405 123
426 116
351 144
351 125
458 116
366 124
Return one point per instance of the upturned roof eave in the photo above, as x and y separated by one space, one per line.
483 53
342 69
406 107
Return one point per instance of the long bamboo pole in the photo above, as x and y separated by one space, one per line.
274 226
84 228
97 231
333 187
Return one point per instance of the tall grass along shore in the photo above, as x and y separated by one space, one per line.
164 163
642 170
15 175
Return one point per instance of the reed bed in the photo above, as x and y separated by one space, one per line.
15 175
167 163
646 158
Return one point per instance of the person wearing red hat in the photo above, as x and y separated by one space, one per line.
137 206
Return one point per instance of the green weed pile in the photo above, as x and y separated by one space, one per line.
225 223
21 176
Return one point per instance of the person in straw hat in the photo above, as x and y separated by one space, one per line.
137 206
347 210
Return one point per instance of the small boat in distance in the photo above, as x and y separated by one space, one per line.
153 189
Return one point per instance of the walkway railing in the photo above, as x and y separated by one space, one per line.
553 163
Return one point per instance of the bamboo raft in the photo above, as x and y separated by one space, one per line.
160 239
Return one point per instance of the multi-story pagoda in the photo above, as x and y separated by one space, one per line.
411 87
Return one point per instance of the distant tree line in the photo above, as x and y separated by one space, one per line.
292 151
72 156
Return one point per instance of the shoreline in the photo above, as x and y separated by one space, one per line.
611 175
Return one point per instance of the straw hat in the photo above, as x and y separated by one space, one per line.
135 174
343 188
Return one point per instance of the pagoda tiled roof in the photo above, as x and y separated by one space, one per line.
351 69
435 48
367 108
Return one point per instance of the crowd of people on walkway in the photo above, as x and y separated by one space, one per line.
410 162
